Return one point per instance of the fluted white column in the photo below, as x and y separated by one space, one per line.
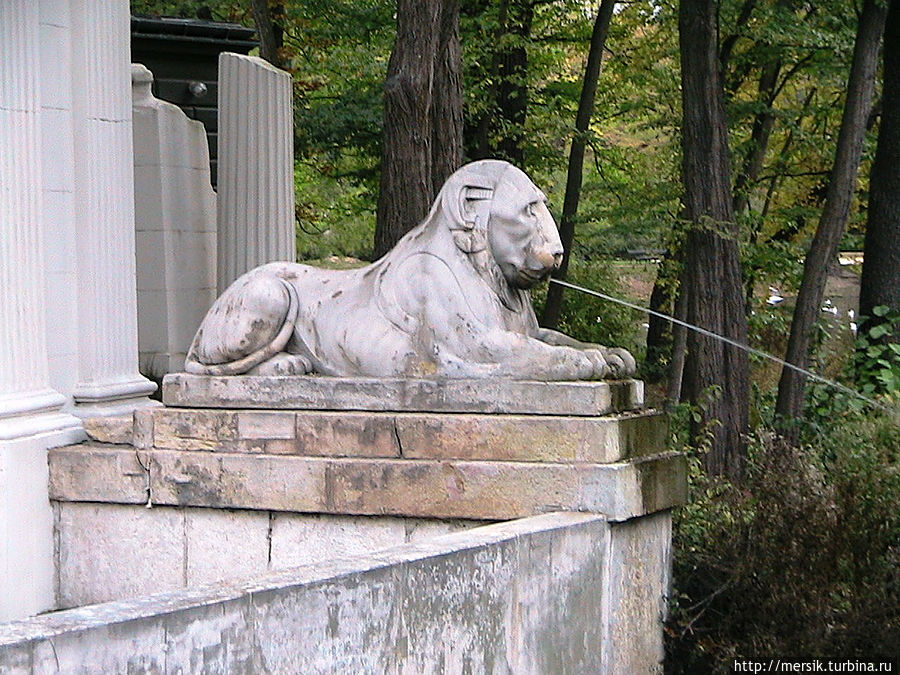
30 420
108 378
25 395
256 166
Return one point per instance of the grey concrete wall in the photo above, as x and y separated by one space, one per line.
538 595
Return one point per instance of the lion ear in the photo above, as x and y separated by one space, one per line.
461 205
471 204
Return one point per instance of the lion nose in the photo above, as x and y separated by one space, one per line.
557 260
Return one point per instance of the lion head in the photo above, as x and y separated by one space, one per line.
499 217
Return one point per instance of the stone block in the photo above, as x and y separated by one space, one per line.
639 582
266 425
151 273
423 529
193 429
240 481
413 435
113 429
499 490
97 542
225 544
579 398
527 438
143 427
97 473
486 490
147 201
301 539
349 434
154 310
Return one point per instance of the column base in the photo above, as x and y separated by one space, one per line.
105 399
27 414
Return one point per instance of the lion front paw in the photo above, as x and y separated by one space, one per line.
621 364
599 364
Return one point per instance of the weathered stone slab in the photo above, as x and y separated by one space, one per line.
96 542
99 473
226 480
411 435
580 398
404 487
639 562
117 551
524 438
112 429
224 544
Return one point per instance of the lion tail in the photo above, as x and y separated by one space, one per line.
242 365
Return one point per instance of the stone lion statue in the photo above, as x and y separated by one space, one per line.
450 300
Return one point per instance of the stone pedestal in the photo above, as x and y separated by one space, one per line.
256 166
175 226
108 378
246 475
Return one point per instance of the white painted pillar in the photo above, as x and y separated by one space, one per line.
256 166
30 417
108 378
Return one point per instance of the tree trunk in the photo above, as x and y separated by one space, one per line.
447 101
712 277
501 128
661 332
761 131
512 92
422 116
881 264
841 188
679 350
575 176
267 18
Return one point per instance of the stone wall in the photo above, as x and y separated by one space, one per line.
549 594
114 552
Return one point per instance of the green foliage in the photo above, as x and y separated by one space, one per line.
340 54
235 11
592 319
334 217
802 558
878 353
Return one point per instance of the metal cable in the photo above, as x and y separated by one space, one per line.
734 343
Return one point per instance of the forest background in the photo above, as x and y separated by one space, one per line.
713 168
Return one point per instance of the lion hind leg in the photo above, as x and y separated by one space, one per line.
250 323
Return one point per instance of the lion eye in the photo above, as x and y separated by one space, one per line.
532 208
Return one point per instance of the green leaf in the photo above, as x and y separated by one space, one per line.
879 331
881 310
